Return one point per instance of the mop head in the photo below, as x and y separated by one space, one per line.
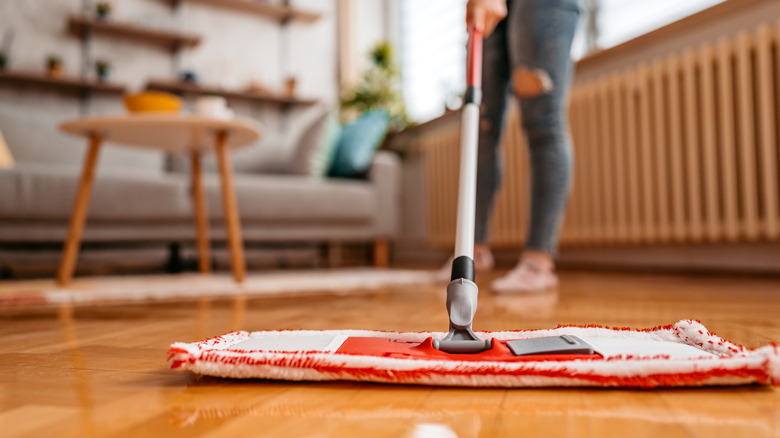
683 354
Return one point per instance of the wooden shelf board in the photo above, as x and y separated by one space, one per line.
304 16
189 88
79 25
74 84
277 12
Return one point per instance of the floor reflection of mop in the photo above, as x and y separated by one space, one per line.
79 368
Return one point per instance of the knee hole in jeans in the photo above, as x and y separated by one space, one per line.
530 83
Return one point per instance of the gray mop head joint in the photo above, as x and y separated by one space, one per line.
461 306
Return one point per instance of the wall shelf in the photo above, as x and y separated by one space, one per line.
66 84
186 88
264 8
80 26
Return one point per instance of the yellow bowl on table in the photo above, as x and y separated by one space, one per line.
152 101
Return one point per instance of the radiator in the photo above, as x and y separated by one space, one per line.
682 149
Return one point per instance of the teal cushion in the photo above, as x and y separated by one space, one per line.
357 143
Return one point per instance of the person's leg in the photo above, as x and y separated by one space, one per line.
495 81
539 37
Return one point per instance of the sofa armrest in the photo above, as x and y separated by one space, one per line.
385 176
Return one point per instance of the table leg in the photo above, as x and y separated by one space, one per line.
79 213
231 209
201 214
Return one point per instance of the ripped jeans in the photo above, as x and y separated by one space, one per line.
528 56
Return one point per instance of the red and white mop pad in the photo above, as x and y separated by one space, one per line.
684 354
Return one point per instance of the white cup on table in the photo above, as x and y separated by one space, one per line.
213 106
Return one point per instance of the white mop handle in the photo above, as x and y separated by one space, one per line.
467 182
469 131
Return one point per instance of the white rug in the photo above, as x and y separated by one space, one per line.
98 290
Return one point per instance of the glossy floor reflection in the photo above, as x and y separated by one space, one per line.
101 371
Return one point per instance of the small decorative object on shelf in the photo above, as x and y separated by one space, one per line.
189 76
103 70
257 87
5 48
289 86
103 10
54 66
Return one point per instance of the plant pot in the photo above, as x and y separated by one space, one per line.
189 76
289 86
102 12
54 71
102 70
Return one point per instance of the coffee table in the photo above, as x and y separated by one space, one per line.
174 133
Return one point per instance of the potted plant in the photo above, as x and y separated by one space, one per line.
189 76
379 88
103 10
103 70
54 66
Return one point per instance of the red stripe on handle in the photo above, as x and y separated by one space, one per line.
474 67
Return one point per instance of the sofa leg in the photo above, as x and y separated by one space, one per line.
175 263
335 255
381 253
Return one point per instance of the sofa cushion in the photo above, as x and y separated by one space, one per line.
36 191
357 143
295 198
314 151
268 155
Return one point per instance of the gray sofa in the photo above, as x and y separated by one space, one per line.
137 197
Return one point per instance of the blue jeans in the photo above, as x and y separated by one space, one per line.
535 35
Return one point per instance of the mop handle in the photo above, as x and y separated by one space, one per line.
474 61
463 265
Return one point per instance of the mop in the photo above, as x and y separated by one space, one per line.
683 354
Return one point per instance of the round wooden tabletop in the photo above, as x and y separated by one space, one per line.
171 132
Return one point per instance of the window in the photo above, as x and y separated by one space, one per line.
622 20
432 42
432 54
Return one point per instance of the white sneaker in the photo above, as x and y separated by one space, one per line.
526 277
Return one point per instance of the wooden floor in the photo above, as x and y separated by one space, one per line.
101 371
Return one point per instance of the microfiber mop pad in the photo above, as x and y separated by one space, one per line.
683 354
